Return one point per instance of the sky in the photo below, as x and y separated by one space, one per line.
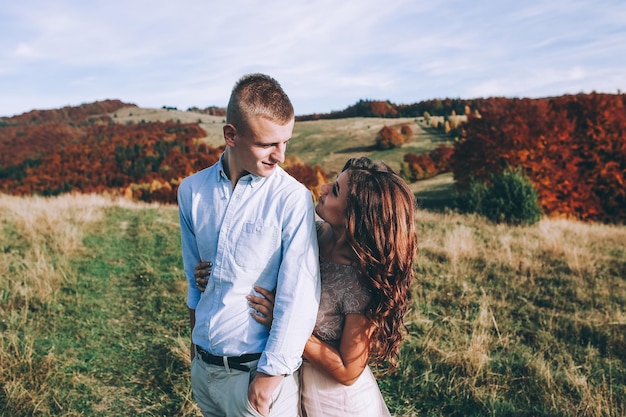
326 54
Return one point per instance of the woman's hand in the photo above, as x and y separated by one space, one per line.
201 273
263 306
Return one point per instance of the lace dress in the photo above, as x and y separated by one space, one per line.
322 396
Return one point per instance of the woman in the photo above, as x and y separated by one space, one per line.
367 245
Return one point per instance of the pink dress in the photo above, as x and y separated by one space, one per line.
321 396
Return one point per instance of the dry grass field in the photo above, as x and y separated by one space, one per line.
506 321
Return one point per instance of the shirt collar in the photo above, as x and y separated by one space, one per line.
251 179
221 173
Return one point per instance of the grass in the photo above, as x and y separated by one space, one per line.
436 194
515 321
98 328
505 321
329 143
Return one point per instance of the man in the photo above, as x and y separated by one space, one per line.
256 224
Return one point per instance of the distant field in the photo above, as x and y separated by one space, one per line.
434 193
212 125
327 143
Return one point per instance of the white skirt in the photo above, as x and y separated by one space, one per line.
322 396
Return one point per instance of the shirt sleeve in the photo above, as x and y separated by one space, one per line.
297 291
190 253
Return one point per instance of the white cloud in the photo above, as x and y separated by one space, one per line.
27 51
327 54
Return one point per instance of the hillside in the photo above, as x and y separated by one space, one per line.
120 148
328 143
571 148
212 125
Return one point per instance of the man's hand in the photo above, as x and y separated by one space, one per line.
201 273
260 391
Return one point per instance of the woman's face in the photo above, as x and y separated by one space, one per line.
333 201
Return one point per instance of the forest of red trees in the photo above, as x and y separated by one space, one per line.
572 148
51 152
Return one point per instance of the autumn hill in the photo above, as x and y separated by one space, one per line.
573 149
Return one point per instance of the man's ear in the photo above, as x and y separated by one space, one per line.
230 134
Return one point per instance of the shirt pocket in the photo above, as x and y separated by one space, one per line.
258 245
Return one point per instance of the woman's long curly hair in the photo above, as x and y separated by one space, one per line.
381 231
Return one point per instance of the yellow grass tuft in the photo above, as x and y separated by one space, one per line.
477 353
459 244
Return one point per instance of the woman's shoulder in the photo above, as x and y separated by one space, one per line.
321 225
324 233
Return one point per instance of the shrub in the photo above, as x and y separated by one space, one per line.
311 177
388 138
442 156
418 167
406 130
509 198
513 199
471 200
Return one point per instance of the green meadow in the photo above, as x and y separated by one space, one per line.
505 321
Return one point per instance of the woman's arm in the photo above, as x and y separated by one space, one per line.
345 364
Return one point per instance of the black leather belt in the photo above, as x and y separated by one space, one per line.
234 362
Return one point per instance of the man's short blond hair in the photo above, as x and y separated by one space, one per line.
257 95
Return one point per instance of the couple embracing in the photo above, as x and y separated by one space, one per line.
286 312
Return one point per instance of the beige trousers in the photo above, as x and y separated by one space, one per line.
224 393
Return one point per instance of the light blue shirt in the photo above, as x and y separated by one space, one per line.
261 233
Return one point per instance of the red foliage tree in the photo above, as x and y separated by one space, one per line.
388 138
383 109
572 148
311 177
442 157
406 130
427 165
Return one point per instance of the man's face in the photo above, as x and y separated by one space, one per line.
260 147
